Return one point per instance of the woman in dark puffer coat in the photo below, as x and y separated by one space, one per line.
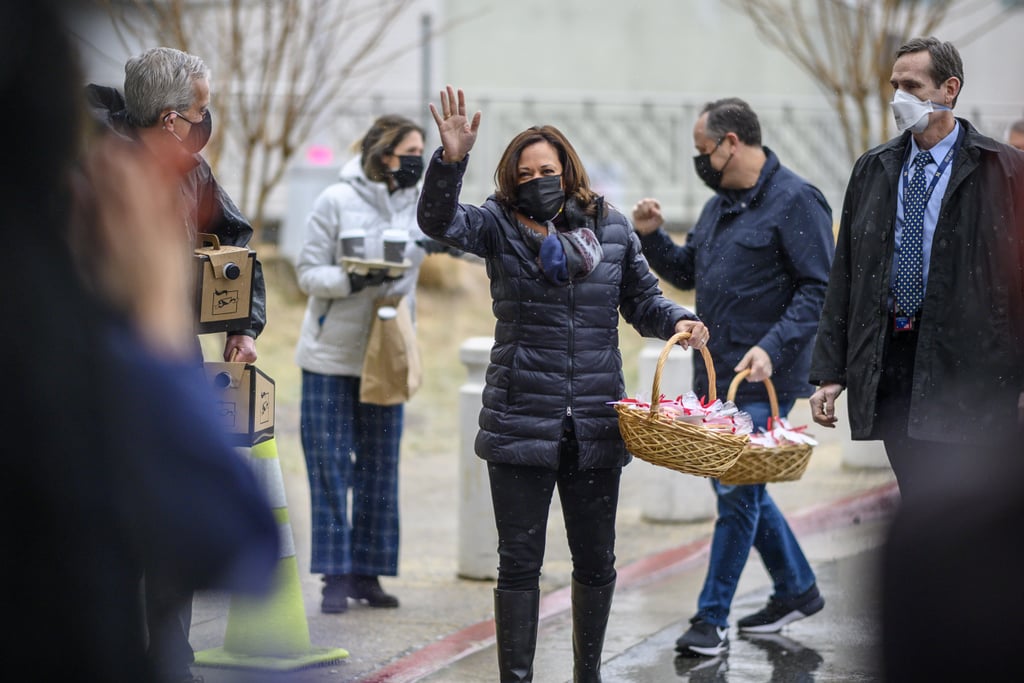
563 265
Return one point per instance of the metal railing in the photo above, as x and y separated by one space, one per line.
645 148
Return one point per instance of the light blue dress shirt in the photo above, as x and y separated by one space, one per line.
931 213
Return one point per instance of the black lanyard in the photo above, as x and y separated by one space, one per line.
938 173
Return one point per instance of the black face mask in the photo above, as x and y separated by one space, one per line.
705 171
711 177
541 198
198 133
409 171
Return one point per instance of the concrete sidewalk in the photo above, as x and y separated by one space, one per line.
654 599
443 619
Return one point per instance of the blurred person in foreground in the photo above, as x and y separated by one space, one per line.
951 573
563 265
349 444
1015 136
758 258
124 468
923 320
164 115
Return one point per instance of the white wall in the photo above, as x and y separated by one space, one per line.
699 47
539 48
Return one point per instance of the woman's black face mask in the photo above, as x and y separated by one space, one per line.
541 198
409 171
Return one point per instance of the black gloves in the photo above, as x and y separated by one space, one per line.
375 278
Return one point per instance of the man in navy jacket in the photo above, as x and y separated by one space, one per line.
759 258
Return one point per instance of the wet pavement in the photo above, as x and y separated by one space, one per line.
443 631
840 643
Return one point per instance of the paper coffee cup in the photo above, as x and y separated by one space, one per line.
394 245
353 244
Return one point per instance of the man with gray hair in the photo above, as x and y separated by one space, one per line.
165 107
165 110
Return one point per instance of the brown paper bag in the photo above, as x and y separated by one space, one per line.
392 371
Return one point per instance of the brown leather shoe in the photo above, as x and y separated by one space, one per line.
335 594
368 588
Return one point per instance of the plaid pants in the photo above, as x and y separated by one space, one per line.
350 445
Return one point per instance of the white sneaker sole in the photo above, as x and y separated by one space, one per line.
777 625
709 651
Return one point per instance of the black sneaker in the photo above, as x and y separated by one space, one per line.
778 613
703 638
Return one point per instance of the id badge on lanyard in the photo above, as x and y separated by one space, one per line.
902 323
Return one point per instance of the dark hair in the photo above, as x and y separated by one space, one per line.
732 115
1017 126
574 176
384 135
946 62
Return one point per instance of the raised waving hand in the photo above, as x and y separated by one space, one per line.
457 131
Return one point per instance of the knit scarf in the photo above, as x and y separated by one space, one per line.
564 254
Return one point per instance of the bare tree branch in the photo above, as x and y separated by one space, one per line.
281 69
851 60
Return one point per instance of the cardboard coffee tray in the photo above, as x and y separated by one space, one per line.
363 267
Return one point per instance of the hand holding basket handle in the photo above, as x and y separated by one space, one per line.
691 334
669 345
773 399
760 465
662 440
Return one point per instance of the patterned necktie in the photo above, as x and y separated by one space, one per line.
910 266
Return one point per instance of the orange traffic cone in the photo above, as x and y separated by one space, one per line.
271 633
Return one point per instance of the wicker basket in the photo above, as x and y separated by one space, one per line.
760 465
681 446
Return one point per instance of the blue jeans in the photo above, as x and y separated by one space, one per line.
748 517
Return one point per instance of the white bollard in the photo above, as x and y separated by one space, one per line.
669 496
478 537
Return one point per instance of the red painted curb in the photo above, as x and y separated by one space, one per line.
873 504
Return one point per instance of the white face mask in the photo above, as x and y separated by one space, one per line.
912 113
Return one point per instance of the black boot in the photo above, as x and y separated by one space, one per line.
368 588
335 594
590 608
515 626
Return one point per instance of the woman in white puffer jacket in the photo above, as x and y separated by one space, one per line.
349 444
